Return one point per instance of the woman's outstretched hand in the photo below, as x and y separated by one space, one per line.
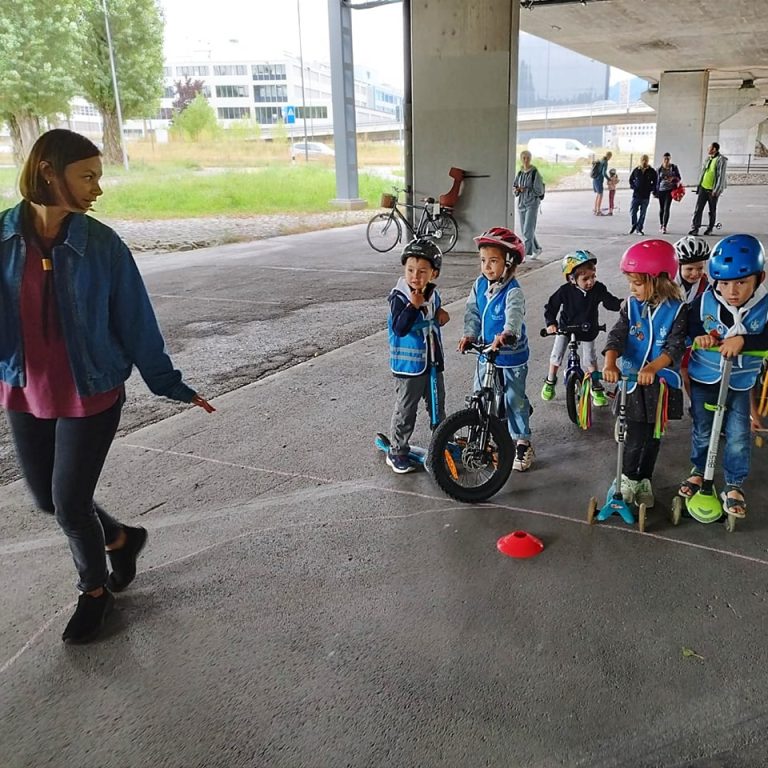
201 403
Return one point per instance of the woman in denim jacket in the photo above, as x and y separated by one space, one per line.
75 318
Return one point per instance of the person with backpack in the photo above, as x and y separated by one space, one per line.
529 191
599 174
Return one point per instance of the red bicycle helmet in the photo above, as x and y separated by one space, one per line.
650 257
507 240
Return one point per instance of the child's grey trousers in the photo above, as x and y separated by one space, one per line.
409 391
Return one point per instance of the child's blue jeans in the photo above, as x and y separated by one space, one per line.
736 448
515 400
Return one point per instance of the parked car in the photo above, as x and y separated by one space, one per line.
315 148
563 150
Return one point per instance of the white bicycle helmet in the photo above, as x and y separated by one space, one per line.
692 248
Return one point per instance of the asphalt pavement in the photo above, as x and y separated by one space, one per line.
299 605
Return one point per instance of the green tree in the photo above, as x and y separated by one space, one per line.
41 49
136 27
197 120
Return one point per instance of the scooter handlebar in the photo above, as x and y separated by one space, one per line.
597 377
567 330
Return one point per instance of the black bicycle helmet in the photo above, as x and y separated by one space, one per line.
691 248
423 248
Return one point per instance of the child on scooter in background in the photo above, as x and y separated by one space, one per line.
413 300
731 314
612 182
648 340
692 254
577 303
495 314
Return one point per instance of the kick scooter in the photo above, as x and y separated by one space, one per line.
614 503
416 455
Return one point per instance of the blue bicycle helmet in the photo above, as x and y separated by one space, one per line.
736 256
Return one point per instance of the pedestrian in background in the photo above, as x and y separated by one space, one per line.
75 318
599 176
642 180
529 191
668 179
712 183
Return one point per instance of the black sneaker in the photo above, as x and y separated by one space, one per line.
693 231
123 560
89 617
707 232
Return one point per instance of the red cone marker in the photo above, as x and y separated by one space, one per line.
519 544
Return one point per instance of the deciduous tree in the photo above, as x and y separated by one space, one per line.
197 119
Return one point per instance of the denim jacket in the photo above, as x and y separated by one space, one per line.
104 310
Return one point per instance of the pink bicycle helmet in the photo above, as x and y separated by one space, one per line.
505 239
650 257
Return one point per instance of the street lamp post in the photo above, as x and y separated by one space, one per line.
114 85
303 99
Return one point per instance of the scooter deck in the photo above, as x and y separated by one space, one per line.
417 456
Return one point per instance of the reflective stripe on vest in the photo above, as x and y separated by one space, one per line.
646 338
493 317
408 354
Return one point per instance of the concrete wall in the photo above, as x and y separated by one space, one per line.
464 74
680 124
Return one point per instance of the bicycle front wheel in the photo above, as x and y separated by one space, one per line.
443 229
383 232
469 458
573 396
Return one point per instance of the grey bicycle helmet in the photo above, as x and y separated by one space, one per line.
423 248
692 248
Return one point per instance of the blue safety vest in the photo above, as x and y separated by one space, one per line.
492 318
648 331
704 365
408 354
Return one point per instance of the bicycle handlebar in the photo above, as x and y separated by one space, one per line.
597 377
485 349
567 330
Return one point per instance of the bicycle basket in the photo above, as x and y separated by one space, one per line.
388 201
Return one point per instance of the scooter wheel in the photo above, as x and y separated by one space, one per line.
730 523
641 518
677 510
592 511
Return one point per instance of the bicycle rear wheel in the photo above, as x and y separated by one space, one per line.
573 396
443 229
383 232
468 465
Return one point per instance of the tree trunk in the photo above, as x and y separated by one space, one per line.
112 150
25 130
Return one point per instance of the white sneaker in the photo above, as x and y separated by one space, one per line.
523 457
628 489
644 493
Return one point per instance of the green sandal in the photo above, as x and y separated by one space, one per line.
731 505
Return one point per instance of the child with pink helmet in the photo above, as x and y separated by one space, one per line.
648 340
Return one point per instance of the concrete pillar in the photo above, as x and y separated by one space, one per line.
464 70
723 103
738 134
343 101
680 121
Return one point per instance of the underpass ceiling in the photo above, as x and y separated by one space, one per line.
653 36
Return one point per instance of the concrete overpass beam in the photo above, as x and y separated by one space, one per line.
680 122
738 134
724 104
464 69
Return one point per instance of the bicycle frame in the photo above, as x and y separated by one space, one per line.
426 214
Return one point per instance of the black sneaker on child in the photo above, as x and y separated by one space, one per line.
89 617
123 560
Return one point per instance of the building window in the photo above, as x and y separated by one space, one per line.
165 113
268 115
268 71
234 113
314 113
193 71
169 92
231 92
230 69
167 71
263 93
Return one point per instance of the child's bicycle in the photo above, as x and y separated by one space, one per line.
471 452
574 374
614 502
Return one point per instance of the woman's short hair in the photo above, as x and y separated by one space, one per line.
59 147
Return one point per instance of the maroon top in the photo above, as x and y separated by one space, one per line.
50 391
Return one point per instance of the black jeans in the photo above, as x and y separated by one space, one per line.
665 203
705 197
61 460
641 450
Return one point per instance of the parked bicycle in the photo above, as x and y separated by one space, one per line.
574 374
471 452
385 230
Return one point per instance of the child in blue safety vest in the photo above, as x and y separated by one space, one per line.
648 340
731 314
495 314
415 315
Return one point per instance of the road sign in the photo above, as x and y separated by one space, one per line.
289 115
